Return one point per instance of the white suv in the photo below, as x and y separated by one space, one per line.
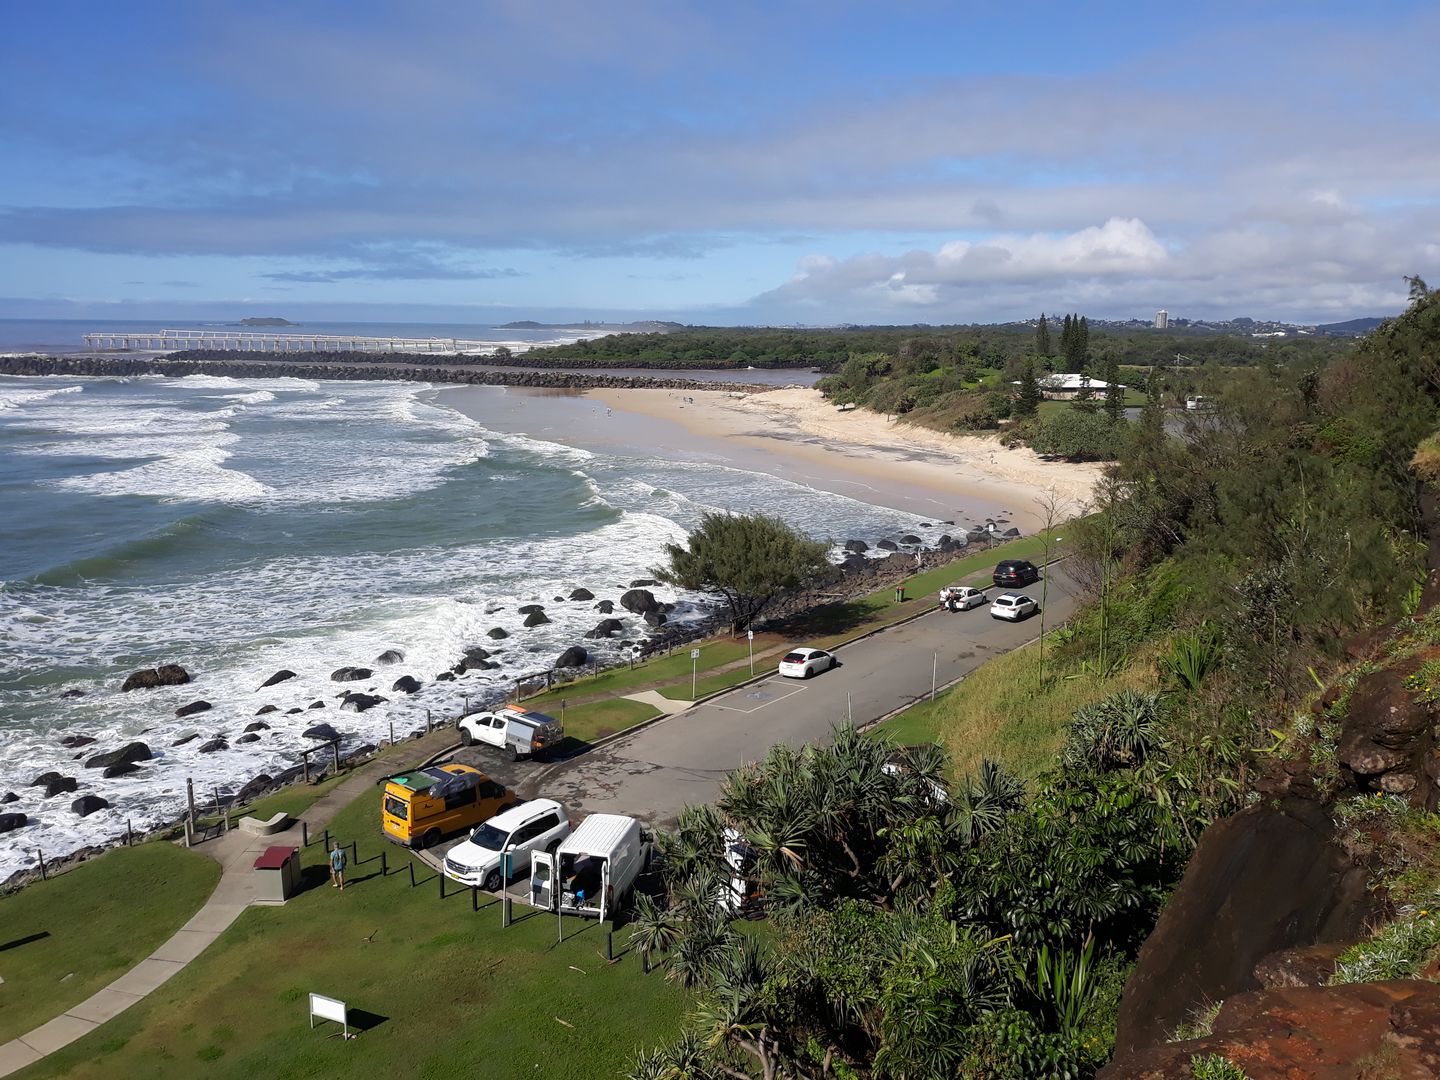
1013 606
538 825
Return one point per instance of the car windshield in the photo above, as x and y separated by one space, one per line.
489 837
794 658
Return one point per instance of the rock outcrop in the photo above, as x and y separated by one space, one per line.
135 751
406 684
639 601
164 675
573 657
390 656
581 594
280 676
88 804
350 674
193 708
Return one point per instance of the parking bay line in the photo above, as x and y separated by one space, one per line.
756 693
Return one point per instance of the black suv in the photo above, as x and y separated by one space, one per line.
1013 573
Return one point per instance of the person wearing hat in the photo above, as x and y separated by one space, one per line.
337 866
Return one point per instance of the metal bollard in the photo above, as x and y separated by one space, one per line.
441 876
327 839
355 852
304 833
384 869
610 943
474 897
411 866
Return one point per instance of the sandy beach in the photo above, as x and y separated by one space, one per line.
797 434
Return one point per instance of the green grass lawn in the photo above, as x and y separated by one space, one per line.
451 993
87 927
600 718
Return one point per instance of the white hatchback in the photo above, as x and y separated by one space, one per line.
961 598
802 663
538 825
1013 606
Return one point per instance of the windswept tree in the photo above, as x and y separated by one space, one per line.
746 560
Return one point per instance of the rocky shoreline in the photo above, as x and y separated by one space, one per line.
344 365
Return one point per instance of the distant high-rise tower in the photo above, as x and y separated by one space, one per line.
1162 319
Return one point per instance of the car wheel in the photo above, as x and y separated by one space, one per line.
808 672
430 839
492 881
466 739
514 753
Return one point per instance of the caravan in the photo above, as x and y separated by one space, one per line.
593 870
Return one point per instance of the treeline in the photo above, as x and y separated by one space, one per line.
982 929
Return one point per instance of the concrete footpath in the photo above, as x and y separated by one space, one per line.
236 852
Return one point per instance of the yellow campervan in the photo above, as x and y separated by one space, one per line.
422 806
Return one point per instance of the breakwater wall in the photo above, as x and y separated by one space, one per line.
358 366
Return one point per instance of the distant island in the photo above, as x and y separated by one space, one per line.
266 322
647 326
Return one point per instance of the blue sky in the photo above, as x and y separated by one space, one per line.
739 162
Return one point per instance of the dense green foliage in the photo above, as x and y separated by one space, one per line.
746 561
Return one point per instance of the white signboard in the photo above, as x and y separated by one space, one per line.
750 634
694 654
327 1008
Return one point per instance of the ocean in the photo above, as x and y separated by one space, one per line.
237 527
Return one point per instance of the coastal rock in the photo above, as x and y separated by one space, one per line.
74 742
361 702
135 751
572 657
859 547
88 804
529 609
279 677
55 784
559 599
390 656
164 675
445 676
265 710
193 708
977 536
317 704
321 731
213 746
406 684
253 788
495 633
256 725
185 737
125 768
477 653
910 538
581 594
11 822
292 712
642 583
536 618
252 737
1011 532
73 694
350 674
10 797
605 627
639 601
605 607
656 618
1311 965
888 545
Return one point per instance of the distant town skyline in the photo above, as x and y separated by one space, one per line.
791 163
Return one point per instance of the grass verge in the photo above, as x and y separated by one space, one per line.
600 718
66 938
441 991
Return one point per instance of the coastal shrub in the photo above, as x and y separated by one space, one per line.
1424 684
1215 1067
1398 951
1077 436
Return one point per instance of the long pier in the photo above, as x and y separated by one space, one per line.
265 341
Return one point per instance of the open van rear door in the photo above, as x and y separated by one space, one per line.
543 893
604 889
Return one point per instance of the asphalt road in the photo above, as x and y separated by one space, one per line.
656 772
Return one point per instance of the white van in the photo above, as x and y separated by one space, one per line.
595 867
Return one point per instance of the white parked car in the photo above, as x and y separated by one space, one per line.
961 597
802 663
519 731
1013 606
538 825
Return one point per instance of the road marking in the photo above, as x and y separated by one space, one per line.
761 696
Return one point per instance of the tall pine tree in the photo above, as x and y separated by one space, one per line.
1042 336
1083 349
1027 401
1114 395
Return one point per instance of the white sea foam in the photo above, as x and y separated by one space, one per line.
15 397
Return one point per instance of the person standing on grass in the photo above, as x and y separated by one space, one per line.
337 867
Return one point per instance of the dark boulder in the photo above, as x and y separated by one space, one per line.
529 609
135 751
350 674
88 804
656 618
445 676
11 822
266 709
888 545
256 725
253 788
292 712
9 797
73 694
125 768
572 657
639 601
406 684
495 633
321 731
164 675
581 594
859 547
193 708
477 653
642 583
279 677
1011 532
536 618
189 736
74 742
977 536
54 783
361 702
605 627
213 745
390 656
251 737
910 538
318 704
605 607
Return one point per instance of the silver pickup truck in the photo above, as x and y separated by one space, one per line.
512 729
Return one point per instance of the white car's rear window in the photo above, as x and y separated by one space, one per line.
794 658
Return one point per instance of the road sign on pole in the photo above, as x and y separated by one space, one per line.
694 663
